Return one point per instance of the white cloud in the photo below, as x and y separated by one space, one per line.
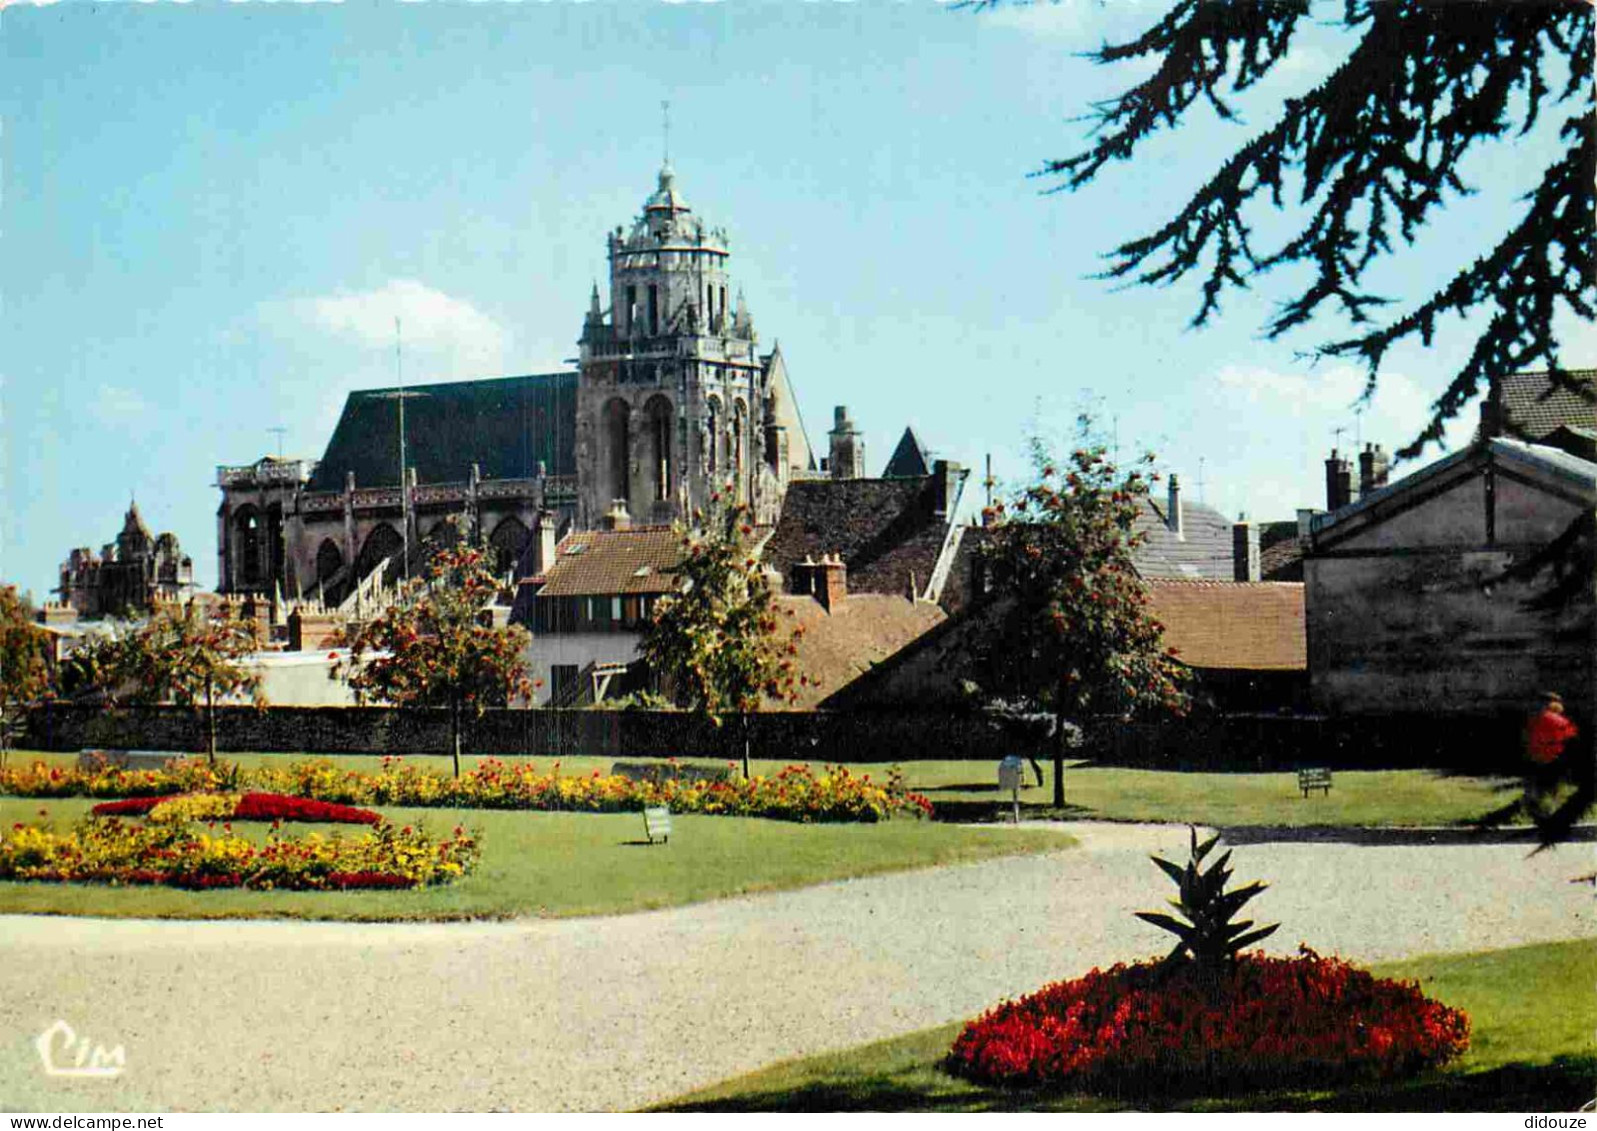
444 337
1332 395
1061 19
116 406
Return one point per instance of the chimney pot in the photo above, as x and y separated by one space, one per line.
1174 518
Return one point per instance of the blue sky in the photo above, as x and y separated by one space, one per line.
211 214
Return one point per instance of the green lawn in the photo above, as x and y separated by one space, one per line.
967 791
557 864
1531 1008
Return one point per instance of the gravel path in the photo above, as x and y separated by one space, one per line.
615 1013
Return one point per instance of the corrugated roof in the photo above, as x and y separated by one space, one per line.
1533 406
605 562
505 425
1233 625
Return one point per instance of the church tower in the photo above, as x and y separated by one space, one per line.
673 400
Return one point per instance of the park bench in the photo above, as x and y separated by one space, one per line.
1315 777
122 759
657 823
669 771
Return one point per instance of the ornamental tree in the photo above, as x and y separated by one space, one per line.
1072 631
1360 163
437 645
24 664
715 641
188 656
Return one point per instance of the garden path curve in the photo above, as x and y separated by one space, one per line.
615 1013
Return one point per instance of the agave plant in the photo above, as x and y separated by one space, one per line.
1209 937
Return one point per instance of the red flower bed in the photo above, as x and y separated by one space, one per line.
278 807
132 807
1270 1022
256 807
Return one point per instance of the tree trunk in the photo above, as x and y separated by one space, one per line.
1059 761
454 735
745 717
210 721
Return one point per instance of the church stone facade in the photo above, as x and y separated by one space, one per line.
672 401
129 576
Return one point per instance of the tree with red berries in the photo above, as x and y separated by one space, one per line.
189 656
715 641
1072 631
437 645
24 664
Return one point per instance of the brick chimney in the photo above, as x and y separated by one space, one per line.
1338 481
1374 467
1173 517
831 581
1244 549
545 539
616 518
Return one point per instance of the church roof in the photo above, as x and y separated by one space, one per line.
505 425
908 459
133 522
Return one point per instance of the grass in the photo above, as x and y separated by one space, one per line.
555 864
1531 1050
968 792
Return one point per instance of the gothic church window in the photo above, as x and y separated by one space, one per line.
657 413
329 560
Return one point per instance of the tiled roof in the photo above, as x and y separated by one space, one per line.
1232 625
883 528
1203 550
1280 552
859 633
607 562
1533 406
908 459
505 425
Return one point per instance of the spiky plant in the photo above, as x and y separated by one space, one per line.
1209 937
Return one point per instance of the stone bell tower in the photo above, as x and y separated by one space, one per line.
672 395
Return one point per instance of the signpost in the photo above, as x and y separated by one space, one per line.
1010 772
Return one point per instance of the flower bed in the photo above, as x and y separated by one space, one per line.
182 855
1267 1022
237 807
798 793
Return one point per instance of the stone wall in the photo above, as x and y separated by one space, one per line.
1219 742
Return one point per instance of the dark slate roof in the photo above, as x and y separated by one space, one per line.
1280 552
505 425
1203 552
1533 406
908 459
883 528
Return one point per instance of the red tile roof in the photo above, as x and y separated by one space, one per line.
1246 626
606 562
858 634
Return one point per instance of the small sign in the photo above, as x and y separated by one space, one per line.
1010 772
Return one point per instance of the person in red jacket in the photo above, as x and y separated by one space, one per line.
1547 732
1546 735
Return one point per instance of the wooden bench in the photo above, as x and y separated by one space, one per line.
657 824
670 771
124 759
1315 777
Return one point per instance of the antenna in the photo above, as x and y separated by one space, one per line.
665 120
278 432
1337 434
1201 499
